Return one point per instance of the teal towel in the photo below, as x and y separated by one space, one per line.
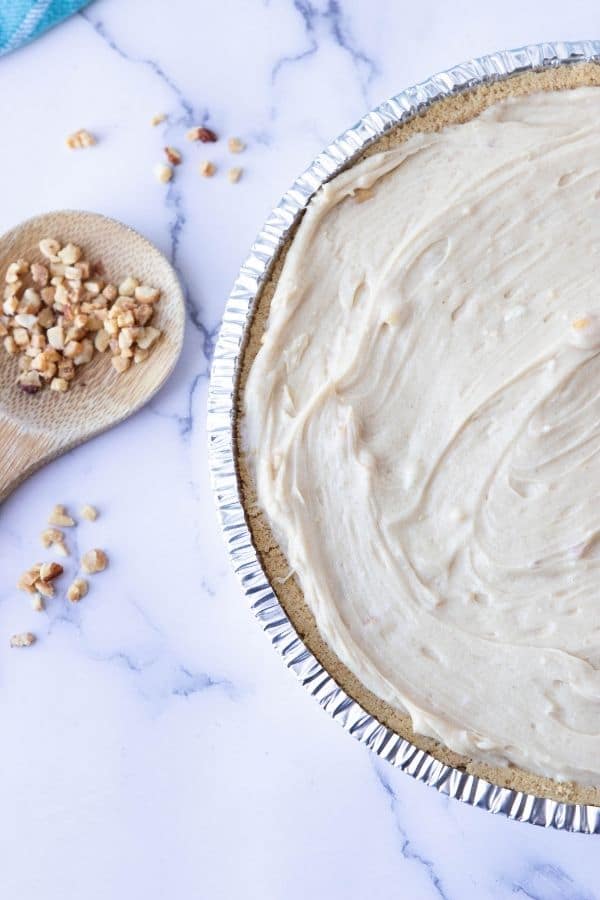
23 20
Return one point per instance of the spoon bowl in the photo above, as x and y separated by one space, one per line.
36 428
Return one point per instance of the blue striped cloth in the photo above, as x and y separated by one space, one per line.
23 20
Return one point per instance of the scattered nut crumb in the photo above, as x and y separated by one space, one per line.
45 589
37 603
207 168
59 516
52 537
25 639
28 579
201 133
89 512
157 119
234 174
50 570
163 172
94 561
80 139
173 155
235 145
77 590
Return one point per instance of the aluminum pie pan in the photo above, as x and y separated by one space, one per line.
222 402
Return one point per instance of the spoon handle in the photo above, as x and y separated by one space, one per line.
21 453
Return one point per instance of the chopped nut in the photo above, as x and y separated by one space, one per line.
120 364
173 155
146 294
51 570
59 384
163 172
77 590
84 269
28 579
101 341
235 145
157 119
80 139
49 248
40 274
66 369
127 287
143 313
110 292
21 337
10 345
59 516
73 349
32 302
140 355
207 168
61 324
85 354
15 269
24 639
234 174
69 255
56 337
10 306
201 133
30 382
147 337
89 512
52 537
45 588
126 338
94 561
26 320
37 603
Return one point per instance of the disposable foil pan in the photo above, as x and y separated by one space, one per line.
221 414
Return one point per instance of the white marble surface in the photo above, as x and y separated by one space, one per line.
153 743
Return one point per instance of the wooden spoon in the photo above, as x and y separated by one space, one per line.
35 428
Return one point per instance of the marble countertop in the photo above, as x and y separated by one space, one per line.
153 743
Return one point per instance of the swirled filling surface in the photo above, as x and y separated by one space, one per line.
423 425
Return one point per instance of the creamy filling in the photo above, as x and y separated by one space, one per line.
423 424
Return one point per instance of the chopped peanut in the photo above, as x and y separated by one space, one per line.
45 588
50 571
173 156
58 313
28 579
207 168
89 512
77 590
52 537
163 172
94 561
201 133
25 639
235 145
80 139
59 516
120 364
234 174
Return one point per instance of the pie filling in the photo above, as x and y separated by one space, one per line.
423 426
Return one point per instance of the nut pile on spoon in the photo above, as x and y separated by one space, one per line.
57 313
